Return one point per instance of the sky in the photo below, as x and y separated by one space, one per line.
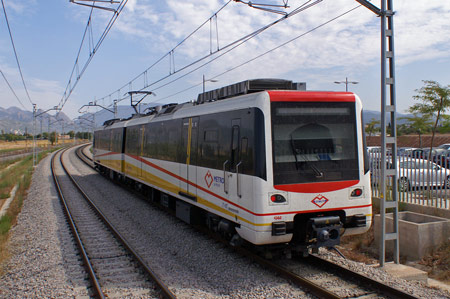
305 47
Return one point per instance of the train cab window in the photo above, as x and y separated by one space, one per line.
314 142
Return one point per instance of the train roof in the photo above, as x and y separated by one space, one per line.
223 93
248 86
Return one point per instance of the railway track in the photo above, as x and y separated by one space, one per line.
320 277
114 267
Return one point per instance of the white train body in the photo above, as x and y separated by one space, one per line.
277 166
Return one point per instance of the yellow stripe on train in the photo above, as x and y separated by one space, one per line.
156 181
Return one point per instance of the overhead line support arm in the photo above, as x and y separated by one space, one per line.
370 6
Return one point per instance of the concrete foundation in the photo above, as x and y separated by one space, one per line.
421 209
406 272
419 234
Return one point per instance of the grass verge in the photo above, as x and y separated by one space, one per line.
20 173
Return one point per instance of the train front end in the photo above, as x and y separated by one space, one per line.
319 187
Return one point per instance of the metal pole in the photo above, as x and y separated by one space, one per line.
383 133
203 83
393 128
34 134
387 52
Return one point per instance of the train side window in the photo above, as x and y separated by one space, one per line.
244 146
235 146
210 135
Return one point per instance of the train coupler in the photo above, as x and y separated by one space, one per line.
325 231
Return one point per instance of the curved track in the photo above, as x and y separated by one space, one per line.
114 268
321 277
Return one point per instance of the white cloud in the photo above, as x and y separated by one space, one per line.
347 46
44 93
20 7
421 27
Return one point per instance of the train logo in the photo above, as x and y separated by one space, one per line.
319 200
209 179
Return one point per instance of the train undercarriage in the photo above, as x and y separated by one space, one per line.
310 231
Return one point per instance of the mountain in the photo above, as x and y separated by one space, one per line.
368 115
123 112
14 119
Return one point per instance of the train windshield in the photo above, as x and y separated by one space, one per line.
314 142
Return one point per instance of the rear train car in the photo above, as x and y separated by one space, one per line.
258 161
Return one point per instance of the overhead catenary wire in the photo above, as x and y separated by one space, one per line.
236 44
92 51
263 54
231 45
15 54
12 90
169 54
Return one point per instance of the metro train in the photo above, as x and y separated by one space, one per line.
260 161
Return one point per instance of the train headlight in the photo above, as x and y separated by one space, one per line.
357 192
277 199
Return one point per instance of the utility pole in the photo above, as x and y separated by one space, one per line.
34 128
34 134
206 80
346 82
389 198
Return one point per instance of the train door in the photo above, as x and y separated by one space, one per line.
122 151
141 143
188 169
233 181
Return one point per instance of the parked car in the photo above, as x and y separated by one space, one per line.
443 159
445 146
416 153
421 173
405 151
415 173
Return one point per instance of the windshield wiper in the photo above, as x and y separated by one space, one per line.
294 151
317 172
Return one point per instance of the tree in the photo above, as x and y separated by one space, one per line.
52 137
435 100
419 124
371 127
71 134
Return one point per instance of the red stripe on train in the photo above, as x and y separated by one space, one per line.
310 96
234 204
316 187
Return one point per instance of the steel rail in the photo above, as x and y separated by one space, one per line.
165 290
314 288
83 157
96 285
302 282
381 287
298 280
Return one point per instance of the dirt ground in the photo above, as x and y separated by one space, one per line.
361 249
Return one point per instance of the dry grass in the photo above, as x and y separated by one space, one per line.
21 172
361 248
438 263
28 144
24 170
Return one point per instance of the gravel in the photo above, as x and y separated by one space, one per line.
193 266
37 266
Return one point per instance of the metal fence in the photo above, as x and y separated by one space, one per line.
420 179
